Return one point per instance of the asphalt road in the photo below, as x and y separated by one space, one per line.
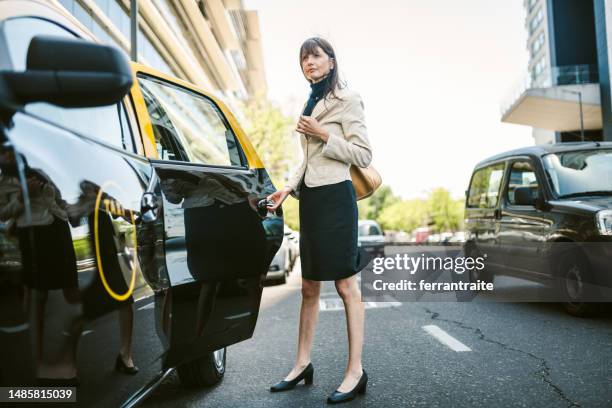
435 354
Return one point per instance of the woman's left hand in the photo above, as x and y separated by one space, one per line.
310 126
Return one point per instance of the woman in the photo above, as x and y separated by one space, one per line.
333 137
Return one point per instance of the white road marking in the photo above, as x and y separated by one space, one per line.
330 304
445 338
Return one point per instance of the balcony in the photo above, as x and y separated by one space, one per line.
550 100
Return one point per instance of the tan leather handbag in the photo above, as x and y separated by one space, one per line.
365 181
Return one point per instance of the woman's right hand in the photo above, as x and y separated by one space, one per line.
278 197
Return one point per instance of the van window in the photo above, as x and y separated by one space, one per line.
108 124
484 188
187 126
521 175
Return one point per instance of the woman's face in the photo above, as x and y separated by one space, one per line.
316 65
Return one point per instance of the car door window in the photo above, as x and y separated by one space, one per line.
188 126
521 175
484 188
108 124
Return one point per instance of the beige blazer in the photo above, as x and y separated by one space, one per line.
348 143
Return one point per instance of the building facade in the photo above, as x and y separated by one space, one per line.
214 44
561 95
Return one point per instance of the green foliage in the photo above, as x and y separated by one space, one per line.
445 213
291 213
404 215
438 210
371 207
270 132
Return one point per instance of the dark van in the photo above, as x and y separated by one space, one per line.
544 214
133 239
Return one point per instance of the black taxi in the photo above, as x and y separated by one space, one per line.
544 214
133 239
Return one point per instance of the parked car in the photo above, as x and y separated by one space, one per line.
128 202
280 267
293 241
420 234
457 237
543 213
371 238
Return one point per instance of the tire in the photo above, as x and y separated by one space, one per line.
205 371
573 272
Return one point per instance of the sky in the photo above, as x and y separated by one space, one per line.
432 76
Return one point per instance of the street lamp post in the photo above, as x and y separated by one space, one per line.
134 30
581 114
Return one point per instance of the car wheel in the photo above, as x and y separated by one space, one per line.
574 280
204 371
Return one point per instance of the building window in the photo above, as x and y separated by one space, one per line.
531 4
537 44
121 20
535 22
539 67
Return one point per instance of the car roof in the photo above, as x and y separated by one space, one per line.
544 149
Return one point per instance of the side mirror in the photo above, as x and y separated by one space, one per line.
71 73
524 196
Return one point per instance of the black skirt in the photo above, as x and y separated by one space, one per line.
328 231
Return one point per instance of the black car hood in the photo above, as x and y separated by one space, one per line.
590 203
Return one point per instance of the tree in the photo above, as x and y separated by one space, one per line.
446 214
404 215
270 132
371 207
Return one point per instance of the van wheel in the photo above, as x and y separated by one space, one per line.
574 280
204 371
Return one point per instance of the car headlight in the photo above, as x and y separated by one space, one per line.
604 222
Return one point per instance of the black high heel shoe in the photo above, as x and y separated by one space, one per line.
123 368
337 397
305 375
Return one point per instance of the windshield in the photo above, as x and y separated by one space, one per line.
368 230
580 172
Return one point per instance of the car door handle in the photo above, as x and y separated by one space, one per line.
149 207
262 207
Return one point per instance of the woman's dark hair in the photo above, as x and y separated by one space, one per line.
310 47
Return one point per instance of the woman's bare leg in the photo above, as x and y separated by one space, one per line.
348 289
309 312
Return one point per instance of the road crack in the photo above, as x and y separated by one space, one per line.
543 373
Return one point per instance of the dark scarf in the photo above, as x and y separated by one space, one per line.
316 94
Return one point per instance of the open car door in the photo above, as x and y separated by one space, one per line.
217 245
